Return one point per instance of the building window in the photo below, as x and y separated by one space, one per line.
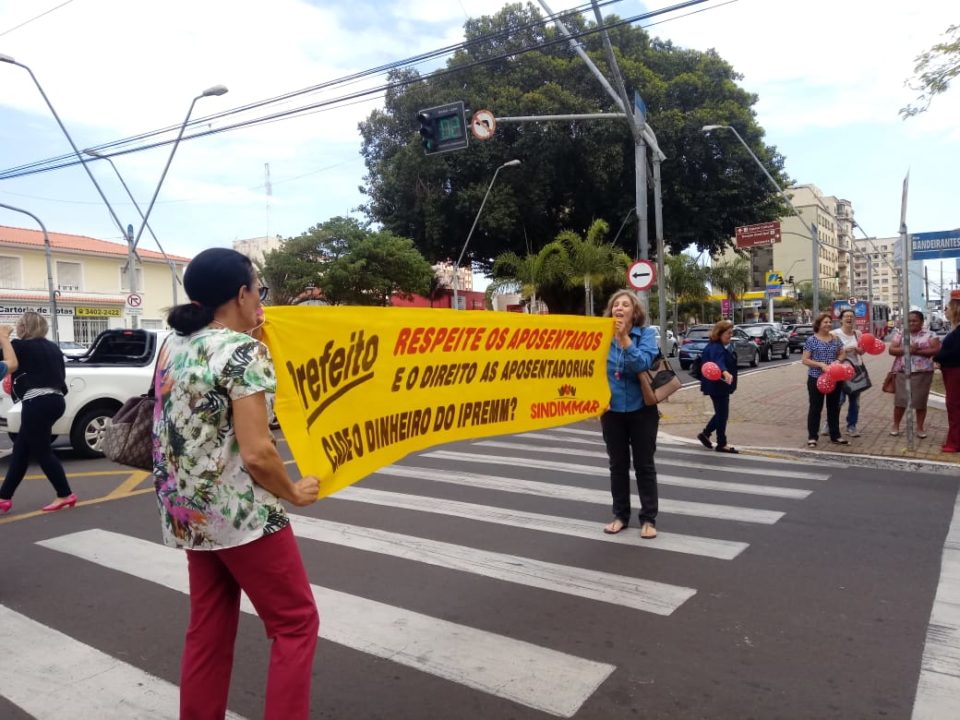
151 324
10 272
69 276
125 281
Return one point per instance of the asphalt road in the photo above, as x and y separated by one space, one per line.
474 582
744 369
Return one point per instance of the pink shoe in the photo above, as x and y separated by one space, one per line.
5 506
945 448
61 503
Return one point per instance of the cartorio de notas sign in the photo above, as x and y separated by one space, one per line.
381 384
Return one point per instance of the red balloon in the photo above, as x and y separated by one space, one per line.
836 371
848 371
866 341
826 384
877 347
711 371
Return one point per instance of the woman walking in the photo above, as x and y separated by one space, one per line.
923 346
949 360
629 426
719 390
39 380
219 481
821 349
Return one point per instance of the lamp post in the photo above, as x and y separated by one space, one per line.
132 250
813 225
173 267
49 255
456 267
9 60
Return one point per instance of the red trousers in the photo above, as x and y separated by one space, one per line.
270 571
951 383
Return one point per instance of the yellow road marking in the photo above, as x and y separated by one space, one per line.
127 486
97 473
93 501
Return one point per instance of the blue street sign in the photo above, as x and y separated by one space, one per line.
639 107
935 245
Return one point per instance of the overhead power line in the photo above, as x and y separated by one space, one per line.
116 148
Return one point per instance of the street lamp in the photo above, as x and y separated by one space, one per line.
9 60
813 225
46 248
132 249
215 90
173 267
456 267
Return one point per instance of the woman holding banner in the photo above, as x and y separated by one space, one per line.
629 426
219 480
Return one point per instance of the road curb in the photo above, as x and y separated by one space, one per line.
880 462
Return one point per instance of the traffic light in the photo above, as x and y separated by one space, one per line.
443 128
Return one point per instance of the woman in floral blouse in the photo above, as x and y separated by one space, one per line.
821 349
923 346
219 481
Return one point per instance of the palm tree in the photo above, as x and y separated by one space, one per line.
590 260
686 280
732 277
528 274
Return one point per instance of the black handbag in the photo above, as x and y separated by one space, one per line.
859 382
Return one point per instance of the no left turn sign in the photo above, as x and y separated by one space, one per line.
641 275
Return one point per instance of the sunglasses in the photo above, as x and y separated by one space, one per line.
264 291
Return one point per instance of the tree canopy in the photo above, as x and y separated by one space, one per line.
348 263
573 172
934 70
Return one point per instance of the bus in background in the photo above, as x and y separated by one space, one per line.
871 317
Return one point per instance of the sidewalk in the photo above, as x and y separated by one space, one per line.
769 412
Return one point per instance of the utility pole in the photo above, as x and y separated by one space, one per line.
642 136
905 302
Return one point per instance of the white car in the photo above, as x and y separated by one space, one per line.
118 366
671 346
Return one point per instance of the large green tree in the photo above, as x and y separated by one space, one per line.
349 263
572 172
686 282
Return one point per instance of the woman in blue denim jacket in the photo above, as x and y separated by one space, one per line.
719 390
629 426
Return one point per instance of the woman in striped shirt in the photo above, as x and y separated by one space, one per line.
821 349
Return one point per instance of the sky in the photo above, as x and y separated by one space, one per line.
830 77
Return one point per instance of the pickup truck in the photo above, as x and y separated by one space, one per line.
118 366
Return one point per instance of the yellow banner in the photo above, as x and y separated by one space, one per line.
359 388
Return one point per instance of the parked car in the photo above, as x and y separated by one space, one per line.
698 336
672 342
768 339
798 336
72 349
118 366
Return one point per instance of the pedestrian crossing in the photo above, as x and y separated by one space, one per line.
572 483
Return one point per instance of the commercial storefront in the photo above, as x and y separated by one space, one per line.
80 318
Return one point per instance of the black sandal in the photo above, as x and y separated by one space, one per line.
705 441
727 449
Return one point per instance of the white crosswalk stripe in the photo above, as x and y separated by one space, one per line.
674 542
566 492
647 595
739 469
51 676
537 677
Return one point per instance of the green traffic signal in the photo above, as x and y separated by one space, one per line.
443 128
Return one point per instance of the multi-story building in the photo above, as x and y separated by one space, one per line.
444 273
256 248
90 279
793 255
879 252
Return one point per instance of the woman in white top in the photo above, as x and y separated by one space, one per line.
850 337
